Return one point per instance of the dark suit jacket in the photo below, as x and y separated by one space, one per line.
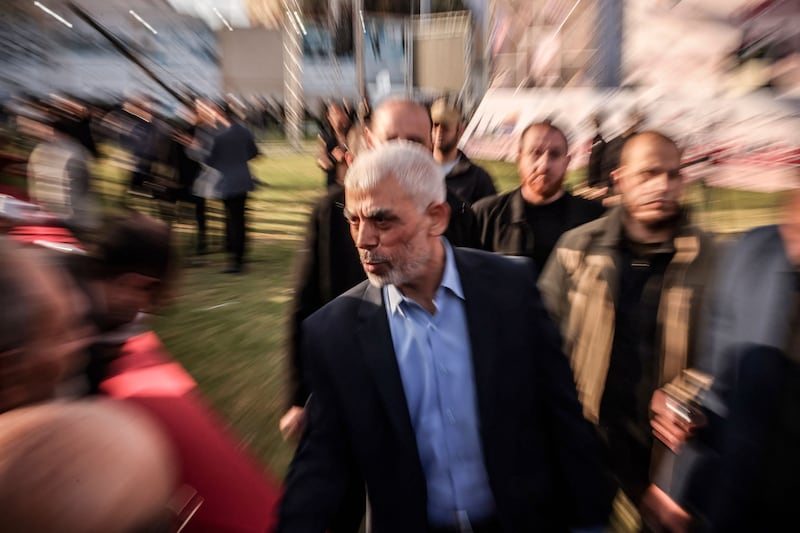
541 455
328 265
231 150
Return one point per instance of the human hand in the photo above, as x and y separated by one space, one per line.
661 513
673 421
292 423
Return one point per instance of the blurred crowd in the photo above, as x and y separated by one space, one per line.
460 359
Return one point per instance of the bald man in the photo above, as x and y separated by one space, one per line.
84 466
627 291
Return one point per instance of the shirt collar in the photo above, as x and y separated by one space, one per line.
450 281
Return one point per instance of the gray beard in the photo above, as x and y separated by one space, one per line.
400 275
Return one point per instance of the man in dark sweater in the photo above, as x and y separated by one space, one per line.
528 220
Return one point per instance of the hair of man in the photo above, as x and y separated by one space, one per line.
409 163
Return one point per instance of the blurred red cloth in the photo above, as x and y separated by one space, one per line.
50 234
238 495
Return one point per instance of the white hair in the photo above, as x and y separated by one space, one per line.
413 166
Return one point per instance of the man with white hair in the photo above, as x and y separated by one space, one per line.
438 383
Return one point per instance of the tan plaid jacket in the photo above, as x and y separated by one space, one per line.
579 286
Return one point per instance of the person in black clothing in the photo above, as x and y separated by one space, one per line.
126 272
74 118
469 181
528 220
232 147
333 143
146 137
613 148
594 174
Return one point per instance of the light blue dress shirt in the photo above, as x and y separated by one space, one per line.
435 360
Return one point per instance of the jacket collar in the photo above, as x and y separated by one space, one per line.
517 205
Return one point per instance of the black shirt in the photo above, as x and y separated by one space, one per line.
634 366
548 222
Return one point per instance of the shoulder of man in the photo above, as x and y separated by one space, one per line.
489 261
467 164
486 207
343 307
588 205
762 242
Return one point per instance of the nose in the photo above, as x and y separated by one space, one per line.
659 182
543 162
364 236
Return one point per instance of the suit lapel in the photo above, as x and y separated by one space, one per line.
478 294
375 341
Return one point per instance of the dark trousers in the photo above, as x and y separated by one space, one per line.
234 227
200 220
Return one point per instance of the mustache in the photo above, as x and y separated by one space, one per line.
658 198
369 257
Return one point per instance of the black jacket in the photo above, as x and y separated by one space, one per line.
541 455
469 181
504 227
328 265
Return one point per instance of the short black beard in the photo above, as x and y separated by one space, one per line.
447 148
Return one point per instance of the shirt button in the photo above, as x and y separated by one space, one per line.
443 370
450 417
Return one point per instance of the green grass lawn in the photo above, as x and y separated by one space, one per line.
229 332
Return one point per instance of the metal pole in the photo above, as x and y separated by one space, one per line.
358 55
409 37
126 51
607 71
292 73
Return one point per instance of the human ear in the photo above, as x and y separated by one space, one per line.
439 214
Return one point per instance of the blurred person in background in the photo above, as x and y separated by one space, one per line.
333 142
232 148
145 136
76 116
466 179
739 473
528 220
627 291
383 415
186 159
85 466
59 179
43 331
126 272
327 266
613 148
594 171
